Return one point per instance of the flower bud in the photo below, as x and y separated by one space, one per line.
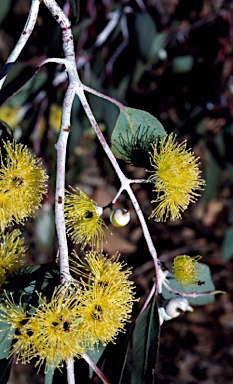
119 217
176 306
173 308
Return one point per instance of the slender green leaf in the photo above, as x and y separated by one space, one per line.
4 9
213 176
227 246
5 368
112 361
49 376
24 85
145 345
145 33
74 5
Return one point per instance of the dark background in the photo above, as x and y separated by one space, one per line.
173 59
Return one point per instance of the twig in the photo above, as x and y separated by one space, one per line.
26 33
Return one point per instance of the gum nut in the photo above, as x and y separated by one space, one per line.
119 217
177 305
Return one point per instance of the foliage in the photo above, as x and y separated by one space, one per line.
125 54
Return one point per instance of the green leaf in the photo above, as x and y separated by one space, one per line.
5 339
4 9
213 177
74 5
227 246
129 122
208 286
156 47
5 368
145 33
49 376
182 64
23 86
30 280
145 345
113 359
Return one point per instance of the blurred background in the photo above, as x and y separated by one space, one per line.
172 58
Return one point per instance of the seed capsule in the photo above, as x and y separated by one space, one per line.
120 217
176 306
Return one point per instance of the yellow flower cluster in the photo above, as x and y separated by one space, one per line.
21 184
176 177
106 299
186 269
83 221
78 316
12 254
48 334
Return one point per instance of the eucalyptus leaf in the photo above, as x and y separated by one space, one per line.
126 129
205 285
49 376
155 49
74 5
213 177
227 246
23 86
112 367
182 64
5 369
4 9
24 284
145 345
145 33
5 339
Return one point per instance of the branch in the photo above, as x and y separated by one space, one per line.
125 182
29 26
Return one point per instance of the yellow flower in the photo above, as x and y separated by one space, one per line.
55 113
21 183
106 299
12 254
186 269
83 221
10 115
104 271
14 318
51 334
11 313
176 176
55 331
6 217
